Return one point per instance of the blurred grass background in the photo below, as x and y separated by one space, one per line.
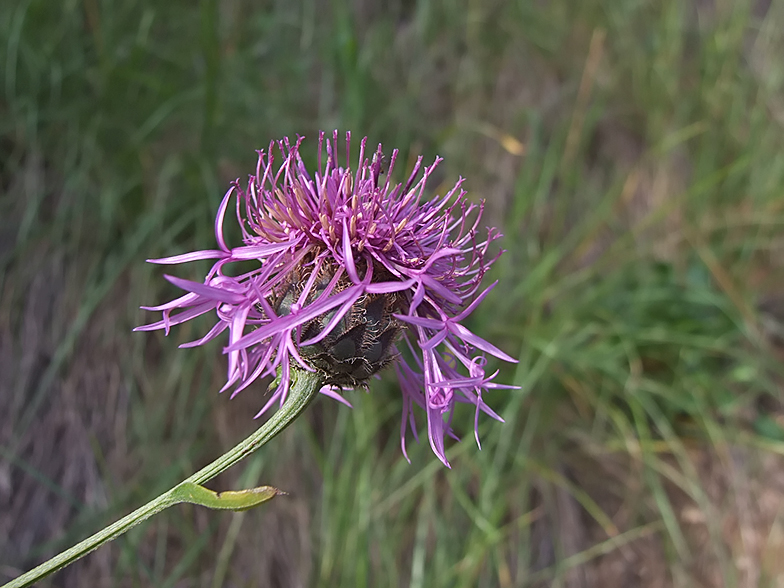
631 151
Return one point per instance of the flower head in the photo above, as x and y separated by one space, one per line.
351 269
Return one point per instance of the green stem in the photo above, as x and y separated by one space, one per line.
304 387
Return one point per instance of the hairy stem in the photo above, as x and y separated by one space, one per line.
304 387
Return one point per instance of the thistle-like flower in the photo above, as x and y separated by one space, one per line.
352 270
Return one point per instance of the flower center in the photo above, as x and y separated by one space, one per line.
362 341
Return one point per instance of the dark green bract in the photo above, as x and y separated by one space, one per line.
359 346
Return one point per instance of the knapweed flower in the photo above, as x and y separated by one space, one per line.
352 273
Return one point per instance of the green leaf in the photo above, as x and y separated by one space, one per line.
237 500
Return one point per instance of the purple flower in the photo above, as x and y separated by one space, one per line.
350 267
